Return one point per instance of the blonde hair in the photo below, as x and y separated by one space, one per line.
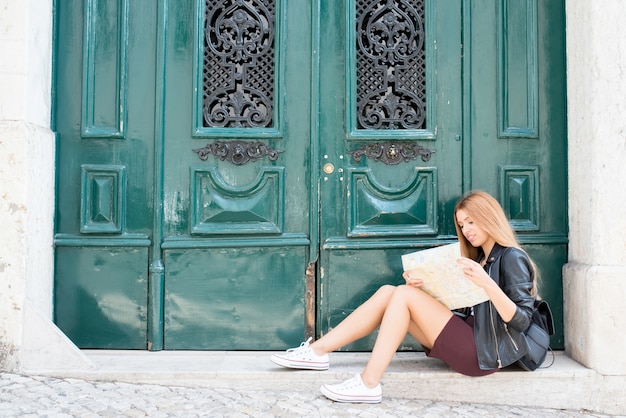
487 213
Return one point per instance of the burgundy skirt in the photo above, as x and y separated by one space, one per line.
457 348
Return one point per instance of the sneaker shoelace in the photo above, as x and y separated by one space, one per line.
353 383
304 345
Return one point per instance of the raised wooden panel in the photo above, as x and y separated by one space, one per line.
518 72
519 194
105 66
222 298
375 210
103 199
101 293
220 208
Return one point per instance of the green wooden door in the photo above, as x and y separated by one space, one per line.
240 174
236 187
184 184
391 149
491 89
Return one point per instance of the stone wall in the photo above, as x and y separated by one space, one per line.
595 277
26 169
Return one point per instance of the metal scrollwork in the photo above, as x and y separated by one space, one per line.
239 63
391 64
237 152
392 153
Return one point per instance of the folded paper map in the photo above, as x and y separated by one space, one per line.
443 277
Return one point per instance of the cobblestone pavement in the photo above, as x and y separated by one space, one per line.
28 397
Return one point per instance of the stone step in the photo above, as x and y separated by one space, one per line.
564 385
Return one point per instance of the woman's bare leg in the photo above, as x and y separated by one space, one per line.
408 310
361 322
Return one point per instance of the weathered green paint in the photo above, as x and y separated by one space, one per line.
101 295
215 300
157 249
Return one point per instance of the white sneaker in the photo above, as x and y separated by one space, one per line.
353 390
302 357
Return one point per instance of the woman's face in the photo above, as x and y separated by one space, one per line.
476 236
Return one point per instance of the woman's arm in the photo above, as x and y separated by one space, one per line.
516 280
503 304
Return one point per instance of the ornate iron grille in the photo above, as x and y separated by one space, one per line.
391 64
239 63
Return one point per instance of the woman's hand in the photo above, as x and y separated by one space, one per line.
476 273
411 278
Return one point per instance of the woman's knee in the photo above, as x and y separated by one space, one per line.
418 300
405 289
407 293
385 291
401 292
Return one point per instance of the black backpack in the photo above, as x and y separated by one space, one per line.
538 337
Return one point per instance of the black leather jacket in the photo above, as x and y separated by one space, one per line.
499 343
